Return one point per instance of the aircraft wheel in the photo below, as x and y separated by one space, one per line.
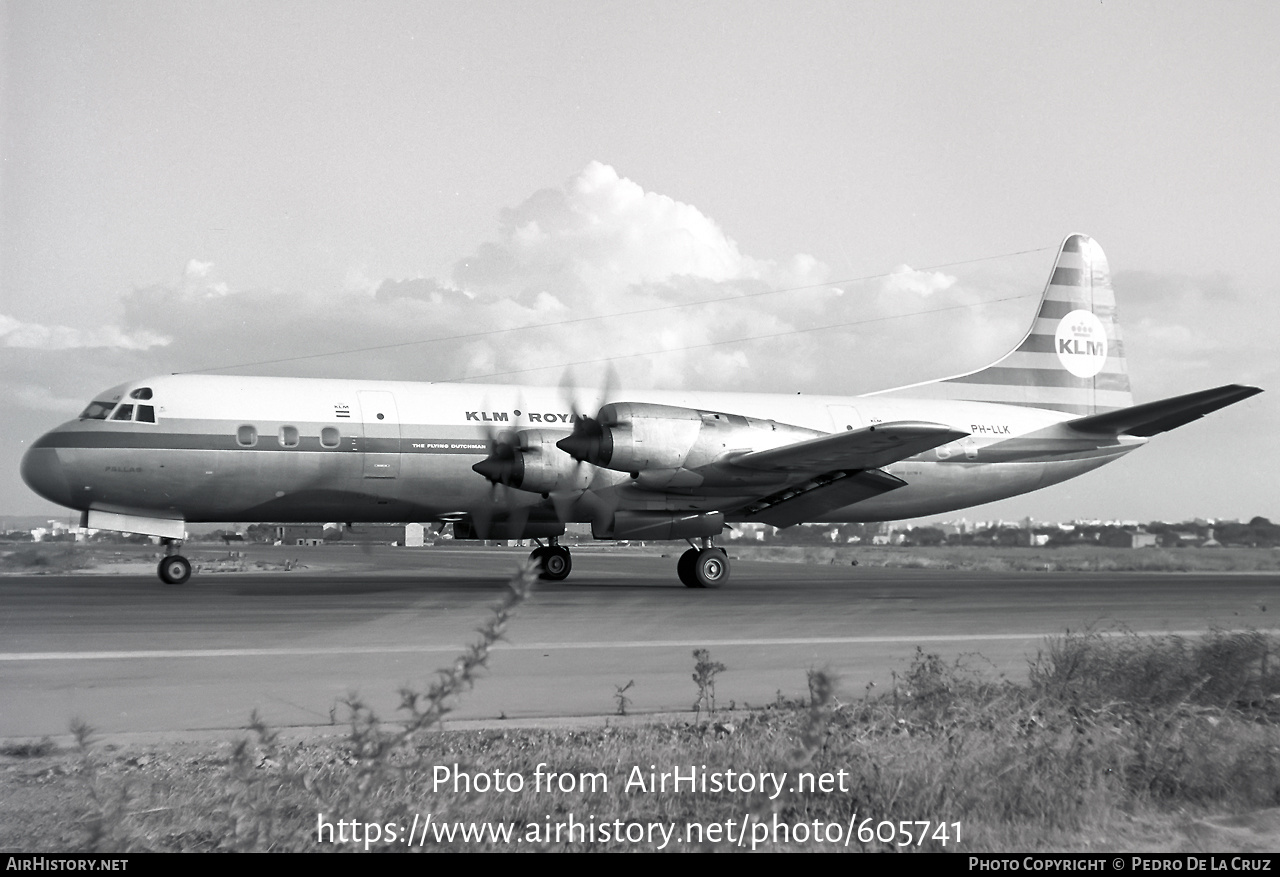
711 567
175 569
556 563
538 557
684 568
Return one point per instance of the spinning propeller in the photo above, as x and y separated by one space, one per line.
502 468
587 444
590 443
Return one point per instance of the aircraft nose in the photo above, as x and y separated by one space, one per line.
43 472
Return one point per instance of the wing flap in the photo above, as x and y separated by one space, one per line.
870 447
1151 418
810 501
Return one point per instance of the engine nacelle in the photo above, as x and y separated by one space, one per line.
547 469
529 460
639 436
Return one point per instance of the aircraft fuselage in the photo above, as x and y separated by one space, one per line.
290 449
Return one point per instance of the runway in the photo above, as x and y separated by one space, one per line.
127 654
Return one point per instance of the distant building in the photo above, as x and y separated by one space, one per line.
1140 539
300 534
748 532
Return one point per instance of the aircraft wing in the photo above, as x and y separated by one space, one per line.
867 448
811 500
1151 418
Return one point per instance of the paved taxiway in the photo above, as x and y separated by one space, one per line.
126 654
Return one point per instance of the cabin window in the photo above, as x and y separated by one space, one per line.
146 414
141 393
124 412
247 436
330 437
97 411
288 436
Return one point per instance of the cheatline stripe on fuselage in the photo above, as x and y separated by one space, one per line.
173 441
1014 449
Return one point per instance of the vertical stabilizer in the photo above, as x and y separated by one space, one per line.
1072 358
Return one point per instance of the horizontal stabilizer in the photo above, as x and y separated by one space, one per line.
1151 418
870 447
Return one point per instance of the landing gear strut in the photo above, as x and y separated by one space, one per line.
174 568
553 561
705 567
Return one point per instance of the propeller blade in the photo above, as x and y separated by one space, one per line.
601 505
505 464
564 503
590 441
482 518
516 519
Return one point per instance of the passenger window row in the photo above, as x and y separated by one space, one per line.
288 437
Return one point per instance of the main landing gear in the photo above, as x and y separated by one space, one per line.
705 567
699 567
174 568
553 561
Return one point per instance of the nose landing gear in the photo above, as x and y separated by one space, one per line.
174 568
553 561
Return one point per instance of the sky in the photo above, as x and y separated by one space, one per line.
881 188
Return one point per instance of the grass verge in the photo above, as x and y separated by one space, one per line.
53 558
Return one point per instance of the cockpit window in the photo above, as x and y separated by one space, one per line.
124 412
146 414
97 411
141 393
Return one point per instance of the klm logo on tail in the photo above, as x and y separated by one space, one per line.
1081 344
1072 357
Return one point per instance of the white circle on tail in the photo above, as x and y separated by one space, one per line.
1081 344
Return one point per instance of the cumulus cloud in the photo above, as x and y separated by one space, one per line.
40 398
196 280
424 289
1172 345
596 269
37 336
906 279
603 229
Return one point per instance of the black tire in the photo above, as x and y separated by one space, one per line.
175 569
538 557
711 567
557 563
684 568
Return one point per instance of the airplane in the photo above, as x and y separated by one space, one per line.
520 462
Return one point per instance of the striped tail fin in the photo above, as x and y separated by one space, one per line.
1071 359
